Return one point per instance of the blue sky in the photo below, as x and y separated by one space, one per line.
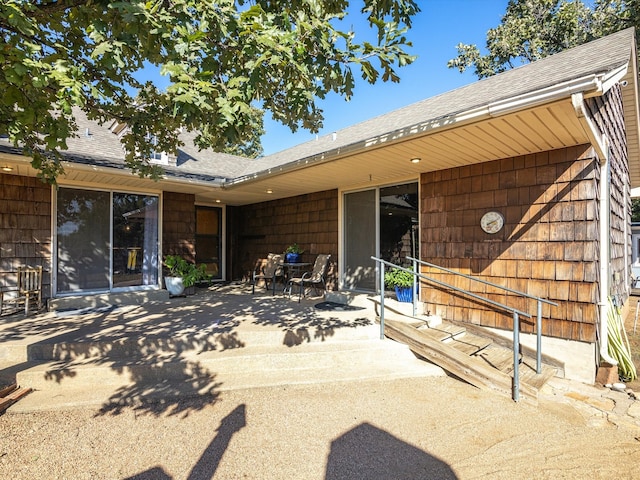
436 31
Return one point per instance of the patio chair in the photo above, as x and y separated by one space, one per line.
314 278
268 270
27 292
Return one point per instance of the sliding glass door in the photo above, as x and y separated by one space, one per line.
360 240
398 215
105 240
381 222
135 240
83 240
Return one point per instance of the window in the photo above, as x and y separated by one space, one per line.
155 155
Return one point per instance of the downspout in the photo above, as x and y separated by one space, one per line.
604 207
601 145
627 245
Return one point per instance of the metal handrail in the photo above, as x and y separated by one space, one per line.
470 277
515 312
539 302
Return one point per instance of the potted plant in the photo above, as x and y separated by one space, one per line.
402 282
292 253
183 275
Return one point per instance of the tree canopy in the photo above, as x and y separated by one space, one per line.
225 61
532 29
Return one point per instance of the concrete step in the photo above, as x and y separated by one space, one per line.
128 347
79 302
127 341
101 382
117 353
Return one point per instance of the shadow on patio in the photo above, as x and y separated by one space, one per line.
158 356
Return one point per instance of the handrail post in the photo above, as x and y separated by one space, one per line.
414 294
539 339
381 300
516 357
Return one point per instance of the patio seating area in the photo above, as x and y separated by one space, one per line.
298 276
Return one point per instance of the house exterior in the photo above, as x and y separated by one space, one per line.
551 148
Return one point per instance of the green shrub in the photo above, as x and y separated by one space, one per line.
189 272
398 278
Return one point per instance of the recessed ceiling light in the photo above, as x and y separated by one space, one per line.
7 168
217 200
269 190
415 160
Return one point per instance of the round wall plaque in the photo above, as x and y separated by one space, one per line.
492 222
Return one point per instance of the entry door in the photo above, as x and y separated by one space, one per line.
209 240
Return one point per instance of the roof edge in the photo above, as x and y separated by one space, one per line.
589 85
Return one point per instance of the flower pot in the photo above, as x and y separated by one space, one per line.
174 285
404 294
292 257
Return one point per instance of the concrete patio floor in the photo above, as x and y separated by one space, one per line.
222 338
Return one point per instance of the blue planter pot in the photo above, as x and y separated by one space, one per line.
404 294
292 257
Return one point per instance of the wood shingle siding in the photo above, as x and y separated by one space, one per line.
548 246
309 220
25 228
178 225
608 114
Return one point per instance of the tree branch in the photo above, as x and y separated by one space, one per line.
48 8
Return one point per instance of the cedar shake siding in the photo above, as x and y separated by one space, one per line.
25 228
547 248
608 115
179 225
309 220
